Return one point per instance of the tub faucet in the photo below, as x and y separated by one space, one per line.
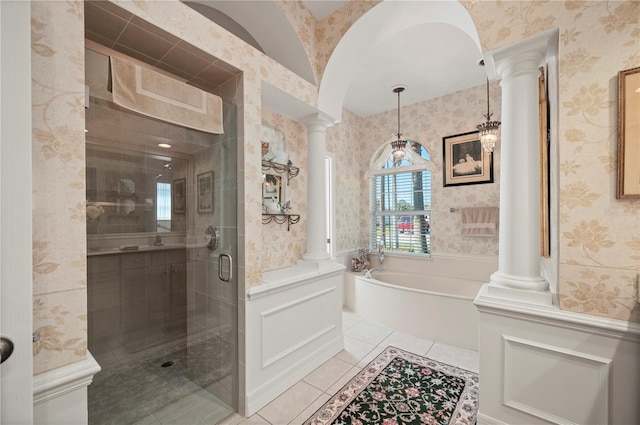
381 254
367 273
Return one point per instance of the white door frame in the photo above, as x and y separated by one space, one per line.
16 285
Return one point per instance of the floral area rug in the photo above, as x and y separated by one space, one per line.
399 388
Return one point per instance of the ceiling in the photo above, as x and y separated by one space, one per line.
323 8
416 56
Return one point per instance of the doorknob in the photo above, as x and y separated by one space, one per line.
6 348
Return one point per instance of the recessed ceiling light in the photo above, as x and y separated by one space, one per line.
164 145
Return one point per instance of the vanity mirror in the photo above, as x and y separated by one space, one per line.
132 192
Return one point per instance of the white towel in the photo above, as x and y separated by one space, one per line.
159 96
479 221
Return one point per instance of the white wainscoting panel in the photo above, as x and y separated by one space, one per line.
313 308
531 368
542 365
293 325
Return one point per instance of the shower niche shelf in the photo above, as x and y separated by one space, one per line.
281 168
281 218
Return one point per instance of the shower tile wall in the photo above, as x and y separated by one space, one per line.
137 300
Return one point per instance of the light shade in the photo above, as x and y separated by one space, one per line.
489 130
398 148
489 135
398 144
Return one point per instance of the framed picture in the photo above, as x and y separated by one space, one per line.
179 196
205 192
545 248
465 162
628 184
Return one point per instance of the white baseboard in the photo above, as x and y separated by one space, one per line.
267 392
487 420
60 395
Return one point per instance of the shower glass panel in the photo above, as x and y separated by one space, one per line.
162 296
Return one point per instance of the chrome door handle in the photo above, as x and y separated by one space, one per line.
220 263
212 236
6 348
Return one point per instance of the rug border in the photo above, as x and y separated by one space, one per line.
468 391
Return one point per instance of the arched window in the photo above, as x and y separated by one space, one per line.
400 201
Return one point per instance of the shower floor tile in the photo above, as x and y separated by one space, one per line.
167 388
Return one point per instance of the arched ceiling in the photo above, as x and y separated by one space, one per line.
267 25
432 47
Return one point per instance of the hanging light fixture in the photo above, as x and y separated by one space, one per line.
398 144
488 130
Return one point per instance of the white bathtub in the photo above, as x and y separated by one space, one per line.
437 308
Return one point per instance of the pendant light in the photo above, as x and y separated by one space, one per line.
489 129
399 144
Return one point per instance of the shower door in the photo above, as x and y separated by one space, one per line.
161 274
212 316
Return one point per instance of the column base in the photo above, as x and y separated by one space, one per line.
523 289
322 256
320 264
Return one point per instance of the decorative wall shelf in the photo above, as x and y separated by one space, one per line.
281 168
281 218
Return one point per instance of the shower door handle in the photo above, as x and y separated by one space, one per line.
221 275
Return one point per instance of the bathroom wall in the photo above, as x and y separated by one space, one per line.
282 247
427 122
598 236
58 158
345 141
59 253
595 237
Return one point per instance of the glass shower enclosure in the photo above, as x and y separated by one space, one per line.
162 283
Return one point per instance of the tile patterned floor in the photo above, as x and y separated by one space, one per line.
175 384
363 342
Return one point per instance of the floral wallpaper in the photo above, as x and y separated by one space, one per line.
59 252
351 189
330 30
282 247
598 236
427 122
303 22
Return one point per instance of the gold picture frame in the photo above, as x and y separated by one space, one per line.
628 181
545 248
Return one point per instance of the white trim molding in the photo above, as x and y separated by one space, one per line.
555 317
293 325
542 365
595 371
60 395
62 380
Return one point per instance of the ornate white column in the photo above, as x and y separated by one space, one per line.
518 276
316 212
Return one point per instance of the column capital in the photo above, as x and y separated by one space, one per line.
318 121
525 55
